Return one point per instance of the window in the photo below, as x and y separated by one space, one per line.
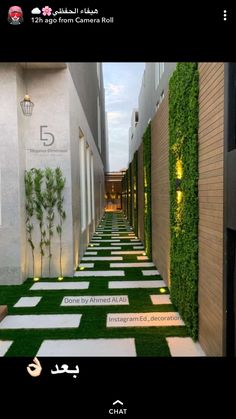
82 179
98 74
157 75
99 123
162 69
162 96
92 186
88 182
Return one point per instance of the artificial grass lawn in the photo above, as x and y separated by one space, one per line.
150 341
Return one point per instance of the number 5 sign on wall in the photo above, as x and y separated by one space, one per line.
47 137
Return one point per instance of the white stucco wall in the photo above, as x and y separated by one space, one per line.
79 122
58 107
10 237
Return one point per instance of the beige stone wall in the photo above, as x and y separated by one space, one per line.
160 192
211 138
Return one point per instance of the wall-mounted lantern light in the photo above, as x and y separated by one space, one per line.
26 104
178 184
178 181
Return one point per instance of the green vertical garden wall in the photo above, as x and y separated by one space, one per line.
135 192
183 164
130 193
147 191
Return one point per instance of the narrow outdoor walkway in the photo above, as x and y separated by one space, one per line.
116 305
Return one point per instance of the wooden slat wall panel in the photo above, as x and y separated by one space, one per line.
160 191
211 137
140 194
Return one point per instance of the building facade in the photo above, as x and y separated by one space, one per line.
214 189
68 130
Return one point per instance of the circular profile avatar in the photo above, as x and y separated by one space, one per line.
15 15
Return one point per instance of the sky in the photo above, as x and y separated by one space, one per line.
122 82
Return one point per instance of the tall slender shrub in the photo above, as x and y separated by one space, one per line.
29 210
50 200
60 184
39 212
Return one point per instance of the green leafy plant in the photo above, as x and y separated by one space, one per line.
135 192
29 210
50 200
60 184
183 165
147 191
39 211
125 194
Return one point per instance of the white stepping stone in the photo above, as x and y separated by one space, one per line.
41 321
101 258
184 347
96 237
106 241
86 265
123 244
88 347
100 273
95 300
150 272
27 302
135 284
135 240
60 286
107 248
125 237
158 319
4 346
132 265
127 252
91 245
91 253
109 234
142 257
138 247
160 299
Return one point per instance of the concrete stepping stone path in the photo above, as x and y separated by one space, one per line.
184 347
88 347
135 284
160 299
4 346
96 306
56 286
27 302
41 321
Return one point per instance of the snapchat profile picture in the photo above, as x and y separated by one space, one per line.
15 15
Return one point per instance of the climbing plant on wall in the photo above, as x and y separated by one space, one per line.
183 164
135 192
60 184
39 212
50 202
147 191
29 211
130 194
124 193
43 195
